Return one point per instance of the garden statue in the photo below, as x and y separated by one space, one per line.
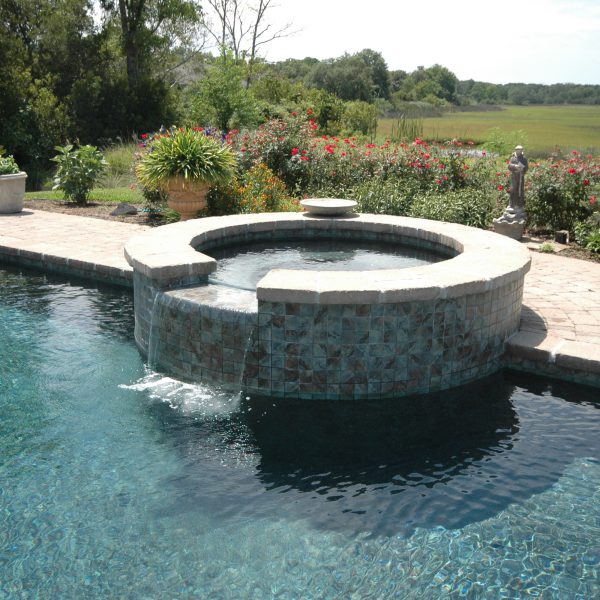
512 221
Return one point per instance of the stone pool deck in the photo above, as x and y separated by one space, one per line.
560 325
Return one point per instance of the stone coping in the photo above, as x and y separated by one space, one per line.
484 262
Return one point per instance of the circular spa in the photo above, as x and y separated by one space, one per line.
371 306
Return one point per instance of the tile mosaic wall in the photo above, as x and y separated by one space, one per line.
223 335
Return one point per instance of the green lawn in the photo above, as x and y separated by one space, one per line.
569 127
108 196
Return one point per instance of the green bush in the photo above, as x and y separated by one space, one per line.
360 117
8 166
380 196
587 233
469 206
77 171
256 191
558 192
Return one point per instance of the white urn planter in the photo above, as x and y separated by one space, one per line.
12 192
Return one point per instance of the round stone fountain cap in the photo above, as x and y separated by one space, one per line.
327 206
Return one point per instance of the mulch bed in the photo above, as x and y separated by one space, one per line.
96 210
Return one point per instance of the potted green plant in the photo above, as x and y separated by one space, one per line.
185 163
12 186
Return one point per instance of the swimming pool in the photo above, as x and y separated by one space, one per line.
118 482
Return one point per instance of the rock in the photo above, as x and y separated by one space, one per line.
124 208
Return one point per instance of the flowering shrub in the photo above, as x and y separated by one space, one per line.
256 191
559 191
313 164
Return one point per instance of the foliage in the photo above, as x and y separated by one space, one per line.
547 248
558 191
362 76
502 142
221 100
155 201
405 128
587 233
469 206
186 153
8 165
119 171
384 196
256 191
359 117
77 171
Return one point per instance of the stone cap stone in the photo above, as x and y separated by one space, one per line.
484 260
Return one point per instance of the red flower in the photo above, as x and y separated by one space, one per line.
438 181
418 141
586 182
572 171
295 151
370 145
144 136
304 158
310 111
330 148
343 154
593 200
294 114
500 187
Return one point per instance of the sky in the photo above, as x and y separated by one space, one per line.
528 41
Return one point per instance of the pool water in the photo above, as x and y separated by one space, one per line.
117 482
243 265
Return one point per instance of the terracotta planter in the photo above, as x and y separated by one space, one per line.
187 198
12 192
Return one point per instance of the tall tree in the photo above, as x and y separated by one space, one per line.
148 25
242 26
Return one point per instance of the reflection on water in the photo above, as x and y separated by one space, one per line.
447 459
119 482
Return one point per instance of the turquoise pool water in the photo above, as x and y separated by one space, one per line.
116 482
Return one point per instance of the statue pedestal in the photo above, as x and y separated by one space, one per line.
511 223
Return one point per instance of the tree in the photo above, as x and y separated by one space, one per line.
147 25
221 99
362 76
242 27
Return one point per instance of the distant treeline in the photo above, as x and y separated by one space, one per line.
365 76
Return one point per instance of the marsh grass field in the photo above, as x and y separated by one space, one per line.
568 127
